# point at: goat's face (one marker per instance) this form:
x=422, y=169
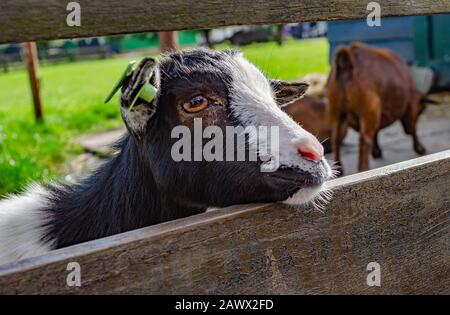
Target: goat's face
x=223, y=90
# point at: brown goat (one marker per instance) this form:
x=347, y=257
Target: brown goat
x=369, y=89
x=310, y=113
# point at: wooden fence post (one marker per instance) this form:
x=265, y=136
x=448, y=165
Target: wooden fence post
x=167, y=41
x=32, y=61
x=279, y=36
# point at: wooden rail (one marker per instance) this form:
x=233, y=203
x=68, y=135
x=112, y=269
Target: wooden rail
x=30, y=20
x=397, y=216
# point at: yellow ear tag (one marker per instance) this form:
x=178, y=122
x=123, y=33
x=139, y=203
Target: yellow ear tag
x=147, y=93
x=128, y=71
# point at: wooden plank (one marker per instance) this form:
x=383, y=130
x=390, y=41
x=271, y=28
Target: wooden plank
x=30, y=20
x=397, y=216
x=32, y=62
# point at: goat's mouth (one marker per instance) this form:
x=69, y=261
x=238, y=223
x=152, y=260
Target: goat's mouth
x=296, y=178
x=300, y=186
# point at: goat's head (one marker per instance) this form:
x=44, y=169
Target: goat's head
x=223, y=89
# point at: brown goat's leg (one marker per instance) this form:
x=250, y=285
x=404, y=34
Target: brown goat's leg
x=376, y=150
x=365, y=142
x=409, y=122
x=368, y=128
x=335, y=143
x=418, y=146
x=338, y=132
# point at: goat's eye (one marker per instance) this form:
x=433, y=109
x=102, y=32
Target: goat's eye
x=196, y=104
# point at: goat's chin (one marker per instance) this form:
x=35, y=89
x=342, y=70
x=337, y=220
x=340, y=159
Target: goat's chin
x=318, y=196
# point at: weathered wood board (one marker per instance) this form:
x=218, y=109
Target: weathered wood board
x=30, y=20
x=397, y=216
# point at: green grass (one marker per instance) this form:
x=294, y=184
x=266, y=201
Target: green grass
x=73, y=96
x=291, y=60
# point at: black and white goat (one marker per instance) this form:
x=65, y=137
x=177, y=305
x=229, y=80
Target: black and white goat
x=143, y=185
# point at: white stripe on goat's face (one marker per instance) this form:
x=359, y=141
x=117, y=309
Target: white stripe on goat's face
x=252, y=103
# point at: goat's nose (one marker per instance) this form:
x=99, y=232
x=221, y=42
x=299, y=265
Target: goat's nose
x=310, y=149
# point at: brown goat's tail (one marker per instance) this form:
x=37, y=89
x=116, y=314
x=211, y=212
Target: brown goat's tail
x=344, y=64
x=426, y=100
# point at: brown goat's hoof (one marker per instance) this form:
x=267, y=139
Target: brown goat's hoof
x=420, y=149
x=377, y=153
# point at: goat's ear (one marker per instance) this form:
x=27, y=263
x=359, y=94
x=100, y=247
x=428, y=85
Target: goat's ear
x=286, y=92
x=136, y=107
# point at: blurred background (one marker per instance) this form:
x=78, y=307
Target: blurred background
x=76, y=75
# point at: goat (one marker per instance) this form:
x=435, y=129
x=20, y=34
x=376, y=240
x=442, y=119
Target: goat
x=142, y=184
x=369, y=89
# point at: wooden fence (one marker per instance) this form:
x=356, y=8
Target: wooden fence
x=396, y=216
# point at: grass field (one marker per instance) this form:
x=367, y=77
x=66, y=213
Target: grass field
x=73, y=96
